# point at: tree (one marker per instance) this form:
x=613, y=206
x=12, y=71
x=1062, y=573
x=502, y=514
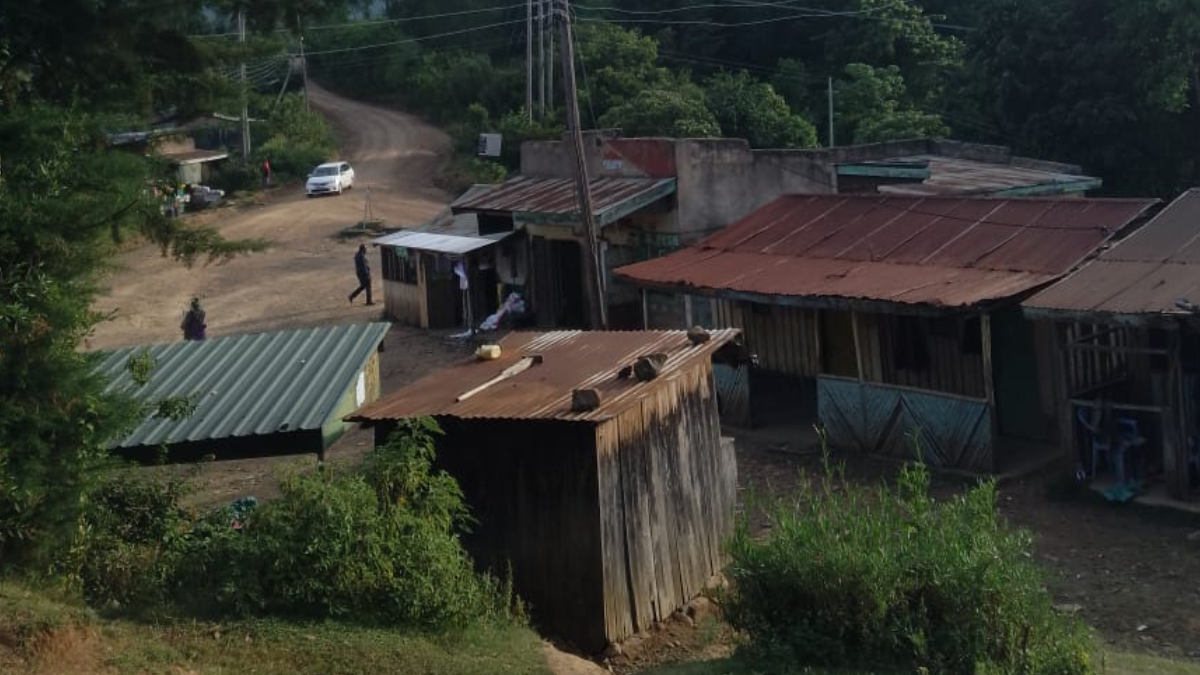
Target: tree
x=869, y=107
x=619, y=64
x=748, y=108
x=791, y=81
x=661, y=112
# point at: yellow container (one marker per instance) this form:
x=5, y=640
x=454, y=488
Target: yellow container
x=488, y=352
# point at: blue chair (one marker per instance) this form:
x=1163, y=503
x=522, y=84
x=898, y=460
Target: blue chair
x=1101, y=445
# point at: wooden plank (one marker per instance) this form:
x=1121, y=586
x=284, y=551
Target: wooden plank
x=989, y=390
x=858, y=359
x=639, y=548
x=1174, y=437
x=1104, y=351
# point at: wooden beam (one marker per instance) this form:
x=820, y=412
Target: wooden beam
x=858, y=358
x=1130, y=407
x=989, y=390
x=1105, y=349
x=1066, y=411
x=645, y=312
x=1173, y=433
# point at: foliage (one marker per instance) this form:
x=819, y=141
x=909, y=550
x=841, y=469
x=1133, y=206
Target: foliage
x=890, y=578
x=791, y=82
x=66, y=200
x=619, y=63
x=443, y=84
x=664, y=112
x=869, y=107
x=297, y=139
x=363, y=73
x=750, y=109
x=380, y=545
x=515, y=128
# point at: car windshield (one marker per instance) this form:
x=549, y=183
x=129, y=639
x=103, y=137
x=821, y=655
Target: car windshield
x=325, y=171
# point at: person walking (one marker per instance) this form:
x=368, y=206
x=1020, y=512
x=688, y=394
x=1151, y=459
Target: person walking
x=266, y=173
x=362, y=269
x=193, y=324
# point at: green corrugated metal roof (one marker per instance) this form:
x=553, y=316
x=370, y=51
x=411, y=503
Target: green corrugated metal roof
x=247, y=385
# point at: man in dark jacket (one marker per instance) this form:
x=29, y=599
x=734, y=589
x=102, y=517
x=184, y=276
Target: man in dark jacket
x=363, y=270
x=194, y=326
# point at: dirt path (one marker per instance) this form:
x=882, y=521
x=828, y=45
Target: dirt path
x=305, y=276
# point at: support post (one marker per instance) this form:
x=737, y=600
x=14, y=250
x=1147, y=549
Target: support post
x=645, y=311
x=831, y=112
x=1066, y=411
x=528, y=58
x=241, y=21
x=687, y=311
x=989, y=390
x=541, y=20
x=858, y=357
x=593, y=280
x=1174, y=436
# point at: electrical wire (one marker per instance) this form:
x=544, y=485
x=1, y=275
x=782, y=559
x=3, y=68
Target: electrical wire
x=377, y=22
x=411, y=40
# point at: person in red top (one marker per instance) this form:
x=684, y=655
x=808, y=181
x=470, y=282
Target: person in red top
x=266, y=173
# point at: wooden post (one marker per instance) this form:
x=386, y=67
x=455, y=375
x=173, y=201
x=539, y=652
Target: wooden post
x=858, y=359
x=687, y=311
x=1066, y=411
x=1173, y=433
x=594, y=282
x=819, y=366
x=645, y=312
x=985, y=339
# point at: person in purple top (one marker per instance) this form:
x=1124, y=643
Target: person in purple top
x=193, y=322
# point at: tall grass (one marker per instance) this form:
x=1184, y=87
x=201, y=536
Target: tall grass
x=890, y=579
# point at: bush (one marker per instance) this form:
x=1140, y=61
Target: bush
x=134, y=531
x=892, y=579
x=235, y=176
x=380, y=545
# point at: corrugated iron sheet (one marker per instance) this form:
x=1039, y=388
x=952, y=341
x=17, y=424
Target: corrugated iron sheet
x=953, y=176
x=934, y=251
x=194, y=156
x=246, y=385
x=1148, y=272
x=571, y=360
x=556, y=196
x=451, y=244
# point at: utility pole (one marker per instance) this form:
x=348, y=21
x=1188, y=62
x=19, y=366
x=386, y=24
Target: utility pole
x=241, y=19
x=550, y=14
x=541, y=58
x=594, y=282
x=831, y=112
x=303, y=65
x=528, y=58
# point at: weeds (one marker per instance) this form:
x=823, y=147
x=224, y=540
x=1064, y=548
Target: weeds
x=889, y=578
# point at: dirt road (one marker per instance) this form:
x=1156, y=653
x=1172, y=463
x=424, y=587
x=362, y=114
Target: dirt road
x=306, y=275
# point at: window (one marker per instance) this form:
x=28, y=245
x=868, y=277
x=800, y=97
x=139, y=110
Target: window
x=909, y=348
x=399, y=264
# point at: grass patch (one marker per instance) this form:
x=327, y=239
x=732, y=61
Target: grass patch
x=1126, y=663
x=40, y=633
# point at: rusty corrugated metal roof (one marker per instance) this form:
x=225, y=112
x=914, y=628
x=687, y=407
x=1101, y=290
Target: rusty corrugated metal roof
x=1149, y=272
x=932, y=251
x=527, y=197
x=571, y=360
x=954, y=176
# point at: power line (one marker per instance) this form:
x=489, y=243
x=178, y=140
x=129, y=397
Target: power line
x=377, y=22
x=393, y=43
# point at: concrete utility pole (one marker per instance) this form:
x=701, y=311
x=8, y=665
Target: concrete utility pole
x=529, y=58
x=241, y=19
x=550, y=14
x=541, y=58
x=594, y=279
x=831, y=112
x=303, y=65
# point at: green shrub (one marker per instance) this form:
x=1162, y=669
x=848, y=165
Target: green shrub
x=380, y=545
x=235, y=176
x=134, y=530
x=892, y=579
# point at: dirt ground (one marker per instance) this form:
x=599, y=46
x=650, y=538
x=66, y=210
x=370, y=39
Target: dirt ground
x=306, y=275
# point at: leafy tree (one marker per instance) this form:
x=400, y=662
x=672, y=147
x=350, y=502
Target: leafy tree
x=791, y=81
x=619, y=64
x=66, y=200
x=868, y=107
x=749, y=108
x=662, y=112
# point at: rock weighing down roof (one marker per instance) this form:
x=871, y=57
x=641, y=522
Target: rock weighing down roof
x=246, y=385
x=1153, y=271
x=570, y=360
x=937, y=251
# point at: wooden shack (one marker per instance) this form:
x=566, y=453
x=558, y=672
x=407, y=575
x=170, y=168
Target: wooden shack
x=883, y=319
x=612, y=517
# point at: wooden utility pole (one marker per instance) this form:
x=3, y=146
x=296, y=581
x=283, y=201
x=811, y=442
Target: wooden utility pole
x=831, y=112
x=529, y=58
x=594, y=279
x=241, y=19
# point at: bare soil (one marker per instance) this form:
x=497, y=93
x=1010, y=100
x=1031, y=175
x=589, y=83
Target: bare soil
x=304, y=278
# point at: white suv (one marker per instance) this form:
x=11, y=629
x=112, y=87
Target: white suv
x=331, y=177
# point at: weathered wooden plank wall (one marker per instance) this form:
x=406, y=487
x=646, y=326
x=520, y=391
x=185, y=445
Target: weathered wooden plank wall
x=403, y=302
x=667, y=487
x=733, y=393
x=951, y=369
x=784, y=338
x=532, y=487
x=953, y=431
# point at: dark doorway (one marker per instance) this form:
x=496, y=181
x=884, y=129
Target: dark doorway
x=558, y=283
